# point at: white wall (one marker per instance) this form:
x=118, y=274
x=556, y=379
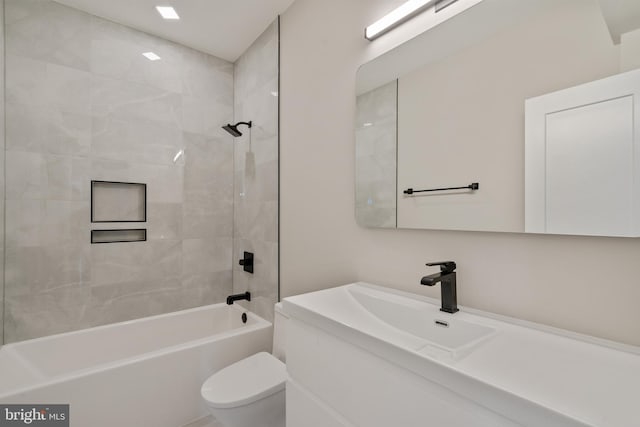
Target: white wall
x=590, y=285
x=630, y=51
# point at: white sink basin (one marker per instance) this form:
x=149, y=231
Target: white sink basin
x=442, y=332
x=403, y=320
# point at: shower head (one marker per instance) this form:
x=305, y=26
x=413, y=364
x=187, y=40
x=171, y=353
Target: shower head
x=233, y=129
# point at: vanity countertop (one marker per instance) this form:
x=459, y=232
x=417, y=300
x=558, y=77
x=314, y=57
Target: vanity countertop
x=521, y=370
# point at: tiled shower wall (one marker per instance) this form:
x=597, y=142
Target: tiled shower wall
x=1, y=172
x=256, y=171
x=82, y=103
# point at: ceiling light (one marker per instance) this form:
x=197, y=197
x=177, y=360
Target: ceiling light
x=151, y=56
x=396, y=17
x=167, y=12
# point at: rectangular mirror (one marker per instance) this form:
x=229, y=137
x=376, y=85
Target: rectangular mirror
x=461, y=88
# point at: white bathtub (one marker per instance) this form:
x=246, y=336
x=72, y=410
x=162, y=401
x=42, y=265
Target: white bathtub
x=145, y=372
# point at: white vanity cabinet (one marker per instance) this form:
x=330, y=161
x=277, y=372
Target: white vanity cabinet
x=334, y=383
x=582, y=159
x=361, y=355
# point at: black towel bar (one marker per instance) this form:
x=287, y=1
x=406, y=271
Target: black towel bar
x=474, y=186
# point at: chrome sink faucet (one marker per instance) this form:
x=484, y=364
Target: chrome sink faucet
x=447, y=277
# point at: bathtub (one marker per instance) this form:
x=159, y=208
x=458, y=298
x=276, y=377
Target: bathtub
x=145, y=372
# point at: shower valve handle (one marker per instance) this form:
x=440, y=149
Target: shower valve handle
x=247, y=262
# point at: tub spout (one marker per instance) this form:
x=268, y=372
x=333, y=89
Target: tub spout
x=237, y=297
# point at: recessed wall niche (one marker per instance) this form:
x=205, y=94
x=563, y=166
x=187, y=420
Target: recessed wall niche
x=118, y=201
x=119, y=236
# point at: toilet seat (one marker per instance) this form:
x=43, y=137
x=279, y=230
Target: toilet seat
x=245, y=382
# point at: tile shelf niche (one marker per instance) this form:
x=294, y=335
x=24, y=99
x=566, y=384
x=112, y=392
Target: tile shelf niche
x=119, y=236
x=113, y=201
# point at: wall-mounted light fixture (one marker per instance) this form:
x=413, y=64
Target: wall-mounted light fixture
x=402, y=14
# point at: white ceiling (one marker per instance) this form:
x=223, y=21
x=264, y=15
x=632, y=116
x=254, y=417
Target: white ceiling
x=223, y=28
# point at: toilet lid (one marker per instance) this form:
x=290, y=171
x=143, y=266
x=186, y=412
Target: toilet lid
x=245, y=382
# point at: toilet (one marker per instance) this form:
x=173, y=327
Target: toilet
x=251, y=392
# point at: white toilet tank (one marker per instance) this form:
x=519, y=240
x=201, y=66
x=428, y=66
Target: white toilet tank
x=280, y=321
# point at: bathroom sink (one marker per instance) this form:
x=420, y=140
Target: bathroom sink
x=442, y=332
x=386, y=343
x=403, y=320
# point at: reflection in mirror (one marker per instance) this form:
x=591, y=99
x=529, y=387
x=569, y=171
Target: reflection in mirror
x=376, y=127
x=461, y=112
x=581, y=154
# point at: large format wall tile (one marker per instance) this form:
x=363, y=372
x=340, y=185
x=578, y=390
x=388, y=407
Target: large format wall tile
x=135, y=140
x=165, y=221
x=51, y=312
x=132, y=300
x=203, y=289
x=46, y=129
x=203, y=256
x=83, y=104
x=2, y=177
x=208, y=187
x=197, y=114
x=256, y=172
x=207, y=77
x=35, y=269
x=38, y=83
x=259, y=103
x=123, y=99
x=140, y=261
x=116, y=52
x=48, y=31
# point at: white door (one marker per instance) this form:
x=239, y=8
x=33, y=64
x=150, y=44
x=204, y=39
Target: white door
x=580, y=161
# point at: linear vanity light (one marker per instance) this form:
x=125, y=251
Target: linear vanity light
x=396, y=17
x=167, y=12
